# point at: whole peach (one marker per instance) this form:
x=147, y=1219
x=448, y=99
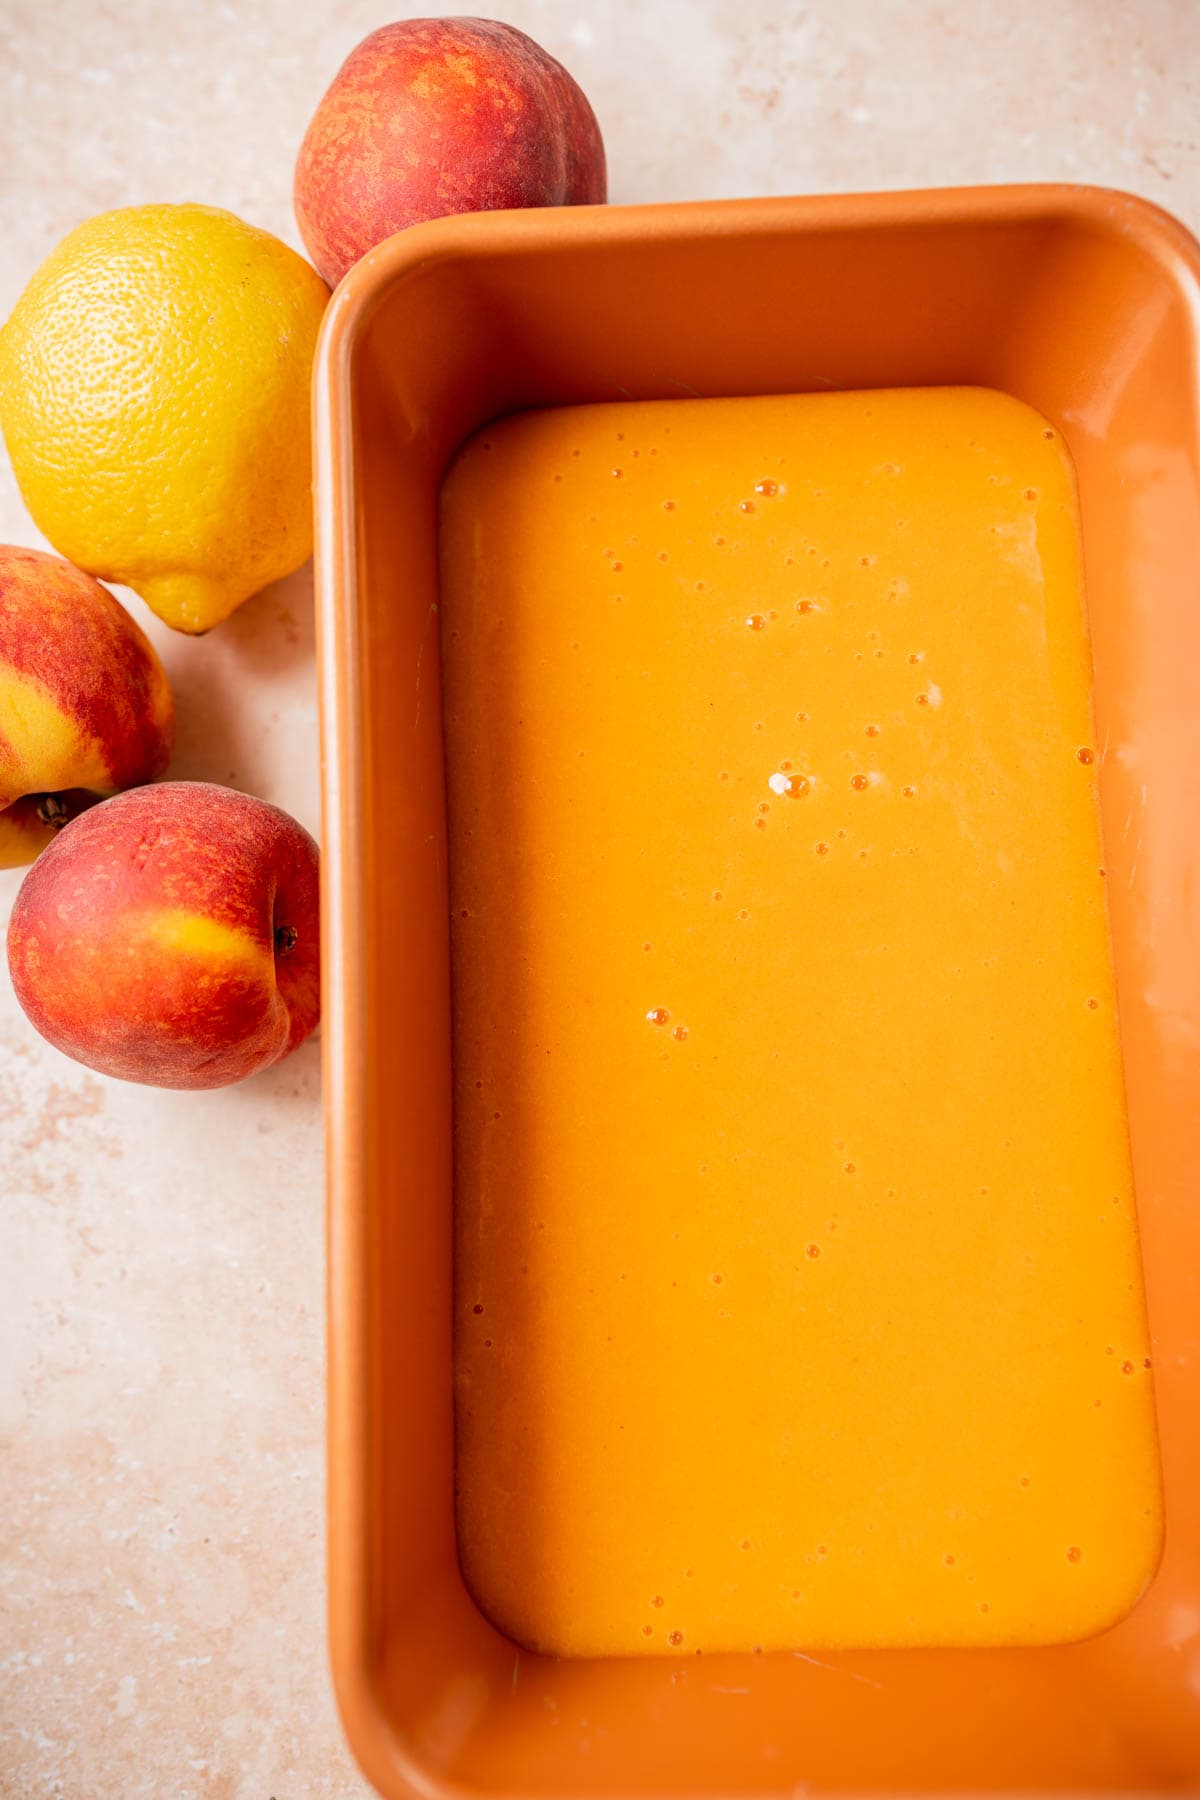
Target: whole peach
x=170, y=936
x=85, y=708
x=435, y=116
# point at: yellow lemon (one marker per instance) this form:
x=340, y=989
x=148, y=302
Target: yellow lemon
x=154, y=381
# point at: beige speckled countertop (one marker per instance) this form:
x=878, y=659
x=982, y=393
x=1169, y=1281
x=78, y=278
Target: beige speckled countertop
x=161, y=1581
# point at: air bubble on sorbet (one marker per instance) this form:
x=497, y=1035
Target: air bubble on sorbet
x=616, y=474
x=746, y=506
x=767, y=488
x=821, y=849
x=756, y=622
x=872, y=731
x=658, y=1015
x=680, y=1033
x=813, y=1250
x=1085, y=755
x=860, y=782
x=808, y=606
x=668, y=506
x=1127, y=1368
x=1074, y=1553
x=675, y=1637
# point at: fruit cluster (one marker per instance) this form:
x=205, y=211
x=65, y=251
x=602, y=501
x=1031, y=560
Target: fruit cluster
x=154, y=399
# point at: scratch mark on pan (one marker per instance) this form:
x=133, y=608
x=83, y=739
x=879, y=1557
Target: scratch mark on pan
x=684, y=386
x=832, y=1669
x=1104, y=745
x=516, y=1670
x=1137, y=848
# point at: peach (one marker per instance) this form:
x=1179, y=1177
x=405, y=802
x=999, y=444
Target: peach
x=435, y=116
x=85, y=708
x=170, y=936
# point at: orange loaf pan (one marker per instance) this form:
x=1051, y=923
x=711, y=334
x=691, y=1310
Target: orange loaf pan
x=1083, y=303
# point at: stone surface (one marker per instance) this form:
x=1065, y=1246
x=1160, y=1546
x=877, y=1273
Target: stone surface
x=161, y=1583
